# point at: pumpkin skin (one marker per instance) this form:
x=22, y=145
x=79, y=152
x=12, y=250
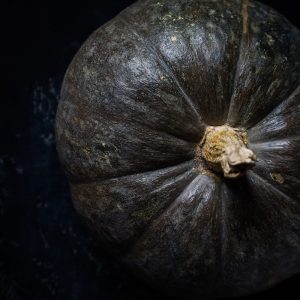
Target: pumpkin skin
x=135, y=103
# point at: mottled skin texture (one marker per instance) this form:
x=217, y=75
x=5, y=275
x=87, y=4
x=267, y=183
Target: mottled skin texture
x=135, y=103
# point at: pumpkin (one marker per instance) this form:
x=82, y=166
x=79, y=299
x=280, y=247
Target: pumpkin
x=179, y=130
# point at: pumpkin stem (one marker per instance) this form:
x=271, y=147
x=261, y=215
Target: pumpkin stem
x=224, y=149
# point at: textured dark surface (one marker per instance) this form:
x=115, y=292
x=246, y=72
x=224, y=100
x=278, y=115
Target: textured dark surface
x=134, y=105
x=45, y=253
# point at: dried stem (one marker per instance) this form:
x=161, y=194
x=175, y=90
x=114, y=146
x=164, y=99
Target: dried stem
x=224, y=149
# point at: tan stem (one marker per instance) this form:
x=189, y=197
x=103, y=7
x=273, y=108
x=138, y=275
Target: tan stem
x=224, y=149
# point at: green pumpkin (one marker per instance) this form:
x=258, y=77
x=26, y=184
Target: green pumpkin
x=179, y=130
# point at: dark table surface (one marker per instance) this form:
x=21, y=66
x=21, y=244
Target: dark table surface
x=45, y=252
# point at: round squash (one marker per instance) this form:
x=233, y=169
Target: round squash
x=179, y=130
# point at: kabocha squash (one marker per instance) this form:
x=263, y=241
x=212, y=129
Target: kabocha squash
x=179, y=130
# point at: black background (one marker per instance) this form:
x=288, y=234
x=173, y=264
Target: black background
x=45, y=252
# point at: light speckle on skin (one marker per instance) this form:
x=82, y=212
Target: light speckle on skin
x=82, y=124
x=211, y=25
x=270, y=39
x=107, y=159
x=173, y=38
x=255, y=28
x=277, y=177
x=273, y=87
x=119, y=207
x=167, y=17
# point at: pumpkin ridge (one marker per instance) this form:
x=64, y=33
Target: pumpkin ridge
x=270, y=185
x=157, y=219
x=99, y=179
x=261, y=144
x=177, y=83
x=120, y=119
x=222, y=230
x=244, y=34
x=161, y=180
x=268, y=167
x=164, y=65
x=181, y=151
x=246, y=110
x=289, y=98
x=268, y=206
x=167, y=133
